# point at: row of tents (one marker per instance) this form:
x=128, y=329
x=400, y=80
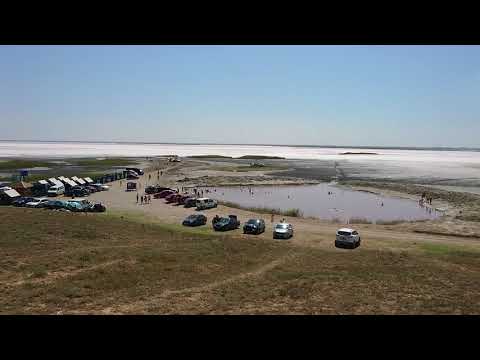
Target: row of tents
x=8, y=192
x=38, y=188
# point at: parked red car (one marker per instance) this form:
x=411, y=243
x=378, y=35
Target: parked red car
x=163, y=194
x=181, y=199
x=172, y=198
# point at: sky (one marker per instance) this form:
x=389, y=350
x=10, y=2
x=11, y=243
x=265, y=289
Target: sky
x=292, y=95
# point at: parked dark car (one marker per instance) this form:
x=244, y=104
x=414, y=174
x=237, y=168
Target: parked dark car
x=22, y=201
x=195, y=220
x=172, y=198
x=92, y=189
x=226, y=223
x=150, y=190
x=163, y=194
x=190, y=202
x=79, y=191
x=136, y=170
x=181, y=199
x=153, y=189
x=55, y=204
x=132, y=176
x=98, y=207
x=254, y=226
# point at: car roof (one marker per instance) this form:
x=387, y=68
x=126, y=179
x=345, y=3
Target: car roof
x=283, y=224
x=346, y=230
x=204, y=199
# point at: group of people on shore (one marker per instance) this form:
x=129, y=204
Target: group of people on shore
x=144, y=199
x=425, y=200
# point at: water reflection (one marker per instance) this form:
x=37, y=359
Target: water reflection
x=325, y=201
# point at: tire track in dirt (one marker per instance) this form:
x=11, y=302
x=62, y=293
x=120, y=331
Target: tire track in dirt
x=197, y=291
x=53, y=276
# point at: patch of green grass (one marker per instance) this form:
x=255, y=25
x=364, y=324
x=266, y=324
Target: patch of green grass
x=246, y=168
x=264, y=210
x=209, y=157
x=260, y=157
x=38, y=271
x=443, y=249
x=108, y=162
x=20, y=164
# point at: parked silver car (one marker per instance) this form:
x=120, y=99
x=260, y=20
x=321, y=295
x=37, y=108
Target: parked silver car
x=283, y=231
x=37, y=203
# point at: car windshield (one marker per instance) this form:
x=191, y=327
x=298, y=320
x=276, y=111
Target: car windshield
x=191, y=217
x=252, y=221
x=281, y=226
x=344, y=233
x=223, y=221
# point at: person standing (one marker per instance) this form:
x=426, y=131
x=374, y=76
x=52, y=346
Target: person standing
x=137, y=197
x=141, y=200
x=272, y=219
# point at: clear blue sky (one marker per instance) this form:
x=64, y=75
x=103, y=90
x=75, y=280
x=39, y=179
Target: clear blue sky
x=336, y=95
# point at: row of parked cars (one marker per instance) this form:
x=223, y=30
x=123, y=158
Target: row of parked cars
x=252, y=226
x=345, y=237
x=173, y=197
x=75, y=205
x=84, y=190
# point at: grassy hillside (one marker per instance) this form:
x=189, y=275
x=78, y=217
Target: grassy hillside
x=97, y=263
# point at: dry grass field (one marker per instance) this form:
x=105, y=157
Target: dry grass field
x=62, y=263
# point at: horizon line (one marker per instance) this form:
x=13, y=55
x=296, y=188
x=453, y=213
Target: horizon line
x=248, y=144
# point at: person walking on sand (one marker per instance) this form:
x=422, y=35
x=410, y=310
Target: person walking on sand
x=141, y=200
x=137, y=197
x=272, y=219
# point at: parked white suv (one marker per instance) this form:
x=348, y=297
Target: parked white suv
x=283, y=231
x=56, y=190
x=347, y=238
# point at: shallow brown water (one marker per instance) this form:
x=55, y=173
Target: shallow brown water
x=315, y=201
